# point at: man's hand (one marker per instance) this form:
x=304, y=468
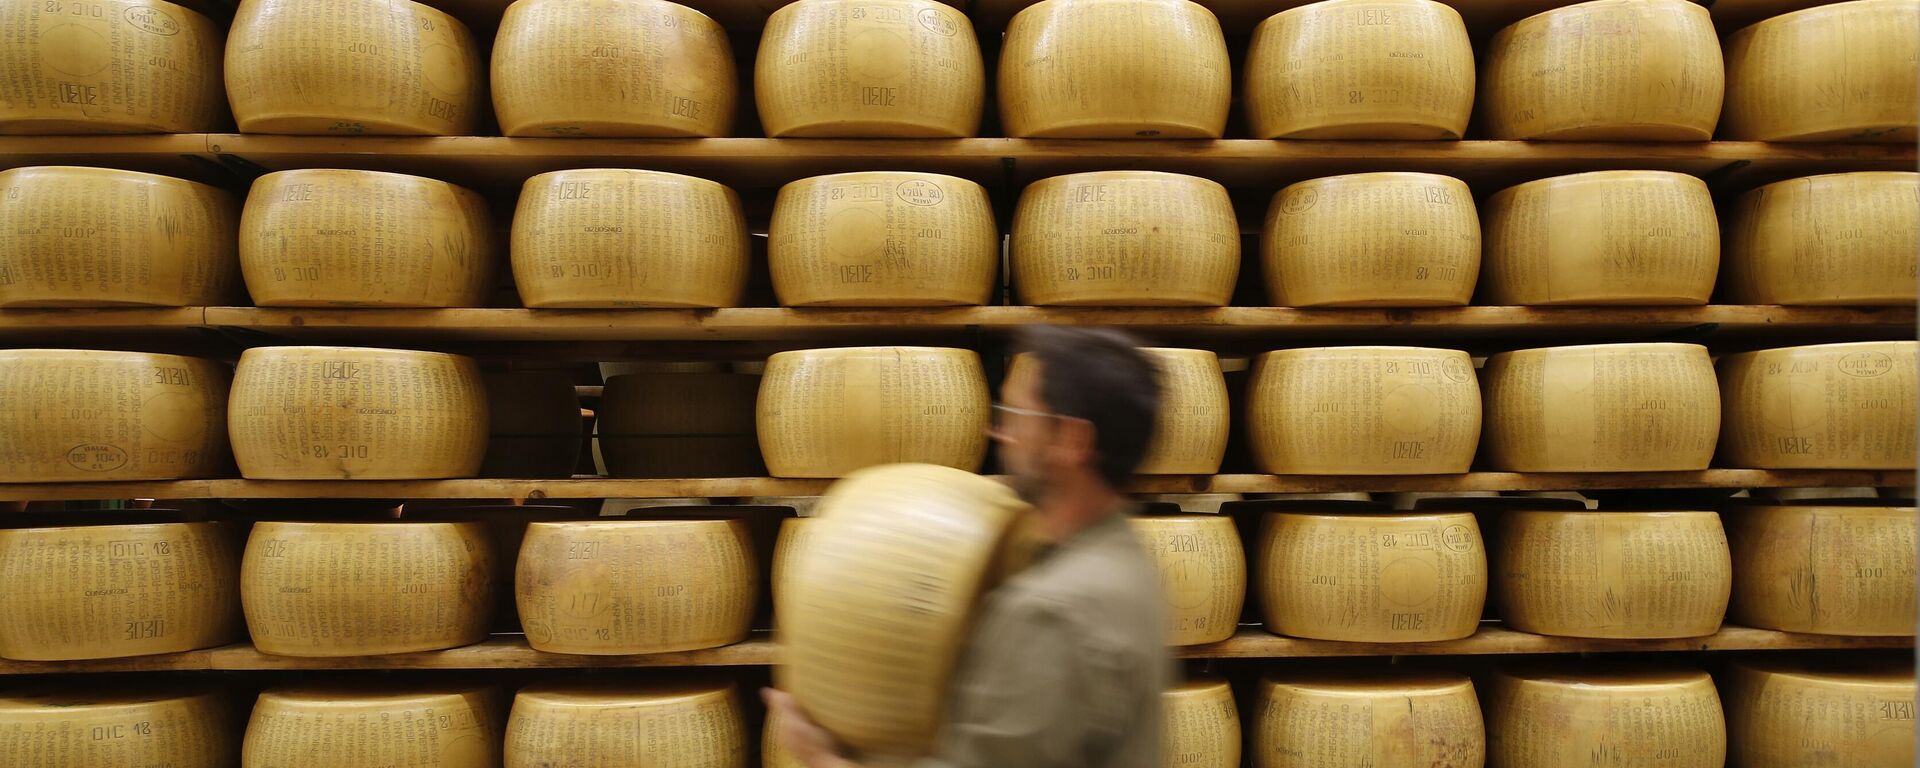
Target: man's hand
x=804, y=740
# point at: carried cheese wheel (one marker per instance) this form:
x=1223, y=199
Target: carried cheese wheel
x=619, y=68
x=882, y=239
x=1192, y=503
x=1397, y=719
x=1839, y=72
x=680, y=425
x=689, y=724
x=1606, y=237
x=1617, y=574
x=1608, y=70
x=1824, y=406
x=444, y=726
x=393, y=67
x=1201, y=726
x=636, y=586
x=1372, y=240
x=1824, y=570
x=1113, y=69
x=79, y=725
x=112, y=66
x=1360, y=69
x=364, y=589
x=1601, y=408
x=99, y=237
x=1372, y=577
x=1203, y=574
x=1587, y=714
x=327, y=238
x=1846, y=239
x=1793, y=713
x=1363, y=411
x=828, y=412
x=610, y=237
x=354, y=413
x=76, y=415
x=533, y=425
x=109, y=591
x=882, y=69
x=1125, y=238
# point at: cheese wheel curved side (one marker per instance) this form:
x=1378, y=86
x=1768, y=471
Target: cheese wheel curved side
x=1788, y=713
x=111, y=591
x=828, y=412
x=883, y=239
x=100, y=237
x=1372, y=578
x=422, y=727
x=613, y=238
x=1203, y=574
x=612, y=68
x=869, y=69
x=1125, y=238
x=1360, y=69
x=1613, y=574
x=1601, y=408
x=1387, y=720
x=1824, y=570
x=1606, y=237
x=1823, y=406
x=627, y=587
x=1201, y=725
x=1109, y=69
x=73, y=415
x=1372, y=240
x=1540, y=716
x=127, y=67
x=1364, y=411
x=55, y=726
x=1845, y=239
x=1838, y=72
x=692, y=724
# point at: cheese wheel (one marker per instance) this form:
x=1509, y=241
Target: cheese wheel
x=392, y=67
x=1201, y=726
x=828, y=412
x=636, y=586
x=617, y=68
x=1825, y=406
x=1612, y=574
x=1791, y=713
x=1601, y=408
x=451, y=726
x=1838, y=238
x=1112, y=69
x=1372, y=577
x=330, y=238
x=109, y=591
x=609, y=237
x=533, y=425
x=364, y=589
x=1593, y=714
x=1192, y=503
x=99, y=237
x=108, y=66
x=1363, y=411
x=1824, y=570
x=688, y=724
x=1360, y=69
x=882, y=239
x=1372, y=240
x=352, y=413
x=1606, y=237
x=1398, y=719
x=1125, y=238
x=884, y=69
x=1203, y=574
x=795, y=535
x=1840, y=72
x=1608, y=70
x=79, y=725
x=73, y=415
x=680, y=425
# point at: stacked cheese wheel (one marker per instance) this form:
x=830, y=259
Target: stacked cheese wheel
x=151, y=67
x=69, y=415
x=1625, y=714
x=644, y=586
x=57, y=726
x=1103, y=69
x=1203, y=574
x=609, y=237
x=869, y=68
x=1828, y=570
x=1607, y=237
x=1612, y=573
x=1363, y=410
x=1125, y=238
x=1789, y=713
x=1825, y=406
x=1601, y=408
x=92, y=237
x=1200, y=726
x=558, y=65
x=1372, y=577
x=882, y=238
x=689, y=724
x=1838, y=238
x=1839, y=72
x=828, y=412
x=106, y=591
x=1386, y=719
x=438, y=726
x=1372, y=239
x=1361, y=69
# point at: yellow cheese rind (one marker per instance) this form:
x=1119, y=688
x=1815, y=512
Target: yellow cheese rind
x=882, y=239
x=1203, y=574
x=71, y=415
x=636, y=586
x=1608, y=70
x=869, y=69
x=115, y=66
x=1824, y=406
x=1604, y=715
x=611, y=237
x=364, y=589
x=1838, y=238
x=1360, y=69
x=1388, y=720
x=1125, y=238
x=1824, y=570
x=1372, y=577
x=77, y=725
x=1601, y=408
x=99, y=237
x=331, y=238
x=1839, y=72
x=109, y=591
x=612, y=68
x=1200, y=726
x=693, y=724
x=1372, y=240
x=1113, y=69
x=1363, y=411
x=1606, y=237
x=1612, y=573
x=417, y=727
x=1793, y=714
x=533, y=425
x=680, y=425
x=828, y=412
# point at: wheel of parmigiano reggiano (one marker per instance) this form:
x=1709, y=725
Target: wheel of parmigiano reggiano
x=108, y=66
x=1612, y=573
x=1372, y=240
x=1361, y=69
x=1838, y=238
x=1607, y=237
x=363, y=589
x=332, y=238
x=416, y=727
x=1125, y=238
x=353, y=66
x=1796, y=713
x=1609, y=70
x=869, y=69
x=882, y=239
x=1372, y=577
x=610, y=237
x=1840, y=72
x=636, y=586
x=73, y=415
x=1601, y=408
x=77, y=725
x=612, y=68
x=680, y=425
x=1203, y=574
x=685, y=725
x=1110, y=69
x=1823, y=570
x=353, y=413
x=533, y=425
x=1200, y=726
x=1626, y=715
x=795, y=534
x=1363, y=411
x=109, y=591
x=98, y=237
x=1393, y=719
x=1826, y=406
x=828, y=412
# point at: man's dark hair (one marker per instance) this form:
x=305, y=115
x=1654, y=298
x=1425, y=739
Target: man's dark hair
x=1099, y=375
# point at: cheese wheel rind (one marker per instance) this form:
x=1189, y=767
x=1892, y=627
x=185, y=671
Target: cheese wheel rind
x=636, y=586
x=1107, y=69
x=1791, y=713
x=1203, y=574
x=693, y=724
x=612, y=237
x=1606, y=237
x=74, y=415
x=420, y=727
x=1824, y=570
x=1837, y=72
x=1200, y=725
x=1612, y=574
x=1190, y=429
x=1360, y=69
x=1125, y=238
x=1847, y=239
x=1823, y=406
x=612, y=68
x=882, y=239
x=110, y=591
x=77, y=725
x=1372, y=577
x=828, y=412
x=114, y=66
x=869, y=69
x=1363, y=411
x=1387, y=720
x=1601, y=408
x=1372, y=240
x=1550, y=717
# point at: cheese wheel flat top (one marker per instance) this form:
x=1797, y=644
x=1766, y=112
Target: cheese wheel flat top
x=1360, y=69
x=420, y=727
x=1605, y=237
x=69, y=726
x=1837, y=238
x=1402, y=718
x=73, y=415
x=1391, y=239
x=1201, y=725
x=1363, y=410
x=883, y=238
x=1612, y=574
x=108, y=591
x=828, y=412
x=612, y=237
x=1372, y=577
x=1110, y=69
x=1601, y=408
x=869, y=69
x=1839, y=72
x=1125, y=238
x=1628, y=715
x=108, y=66
x=1824, y=570
x=1203, y=574
x=636, y=586
x=621, y=68
x=610, y=724
x=1837, y=406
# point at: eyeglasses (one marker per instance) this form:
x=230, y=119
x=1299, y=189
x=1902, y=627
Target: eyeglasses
x=1001, y=412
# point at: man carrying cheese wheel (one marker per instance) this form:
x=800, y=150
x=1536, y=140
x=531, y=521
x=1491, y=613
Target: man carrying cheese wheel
x=1067, y=663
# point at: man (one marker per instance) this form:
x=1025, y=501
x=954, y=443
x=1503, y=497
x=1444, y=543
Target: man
x=1068, y=661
